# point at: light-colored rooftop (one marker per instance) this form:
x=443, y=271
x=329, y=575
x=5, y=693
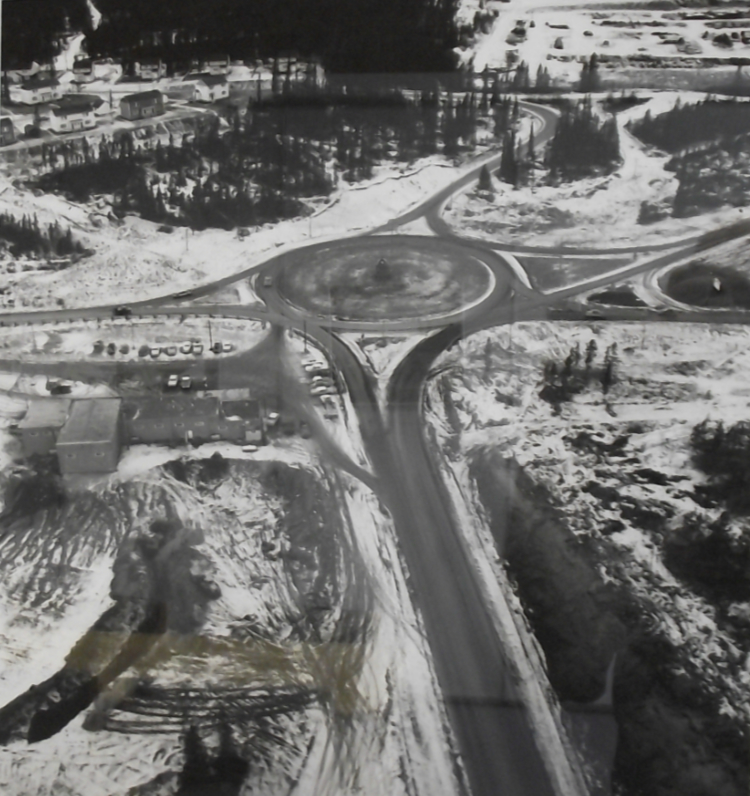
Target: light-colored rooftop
x=46, y=413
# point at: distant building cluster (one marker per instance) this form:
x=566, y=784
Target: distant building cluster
x=77, y=98
x=87, y=435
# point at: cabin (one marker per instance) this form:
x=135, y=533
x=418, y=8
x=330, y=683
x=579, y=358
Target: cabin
x=36, y=90
x=208, y=88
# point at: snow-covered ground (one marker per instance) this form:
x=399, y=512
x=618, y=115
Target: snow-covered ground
x=585, y=28
x=596, y=211
x=134, y=261
x=669, y=377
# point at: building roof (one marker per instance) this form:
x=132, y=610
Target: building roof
x=78, y=103
x=171, y=407
x=90, y=420
x=206, y=78
x=143, y=96
x=39, y=82
x=46, y=413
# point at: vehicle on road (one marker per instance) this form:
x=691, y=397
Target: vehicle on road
x=267, y=281
x=595, y=315
x=249, y=448
x=186, y=382
x=122, y=312
x=183, y=294
x=172, y=381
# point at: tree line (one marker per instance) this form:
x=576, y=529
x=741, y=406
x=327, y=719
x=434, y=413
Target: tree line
x=27, y=236
x=256, y=164
x=348, y=35
x=686, y=125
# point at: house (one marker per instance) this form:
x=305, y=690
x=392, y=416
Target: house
x=41, y=425
x=179, y=419
x=7, y=133
x=89, y=441
x=142, y=105
x=36, y=90
x=150, y=69
x=208, y=88
x=74, y=112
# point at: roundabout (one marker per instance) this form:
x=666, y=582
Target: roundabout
x=407, y=279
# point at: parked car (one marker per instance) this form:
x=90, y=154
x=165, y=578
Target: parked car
x=216, y=347
x=186, y=347
x=197, y=348
x=249, y=448
x=171, y=350
x=173, y=380
x=111, y=349
x=143, y=351
x=98, y=346
x=226, y=347
x=186, y=382
x=155, y=350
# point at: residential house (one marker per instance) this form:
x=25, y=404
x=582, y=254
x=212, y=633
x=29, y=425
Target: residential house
x=142, y=105
x=36, y=90
x=90, y=439
x=41, y=425
x=74, y=112
x=208, y=88
x=150, y=69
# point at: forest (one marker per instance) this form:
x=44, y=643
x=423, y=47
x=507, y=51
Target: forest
x=26, y=236
x=583, y=144
x=348, y=35
x=258, y=164
x=687, y=125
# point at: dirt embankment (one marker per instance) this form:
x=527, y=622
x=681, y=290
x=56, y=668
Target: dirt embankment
x=673, y=738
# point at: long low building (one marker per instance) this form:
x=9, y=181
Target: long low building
x=89, y=442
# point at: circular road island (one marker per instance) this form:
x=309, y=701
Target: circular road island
x=384, y=278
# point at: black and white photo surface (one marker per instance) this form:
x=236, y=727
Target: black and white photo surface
x=374, y=398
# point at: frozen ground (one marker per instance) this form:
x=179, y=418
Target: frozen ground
x=133, y=261
x=669, y=377
x=596, y=211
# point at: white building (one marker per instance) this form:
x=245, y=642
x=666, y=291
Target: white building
x=74, y=112
x=208, y=88
x=36, y=90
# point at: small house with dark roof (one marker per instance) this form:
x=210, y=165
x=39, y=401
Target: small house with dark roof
x=150, y=69
x=142, y=105
x=208, y=87
x=36, y=90
x=7, y=132
x=89, y=441
x=41, y=425
x=74, y=112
